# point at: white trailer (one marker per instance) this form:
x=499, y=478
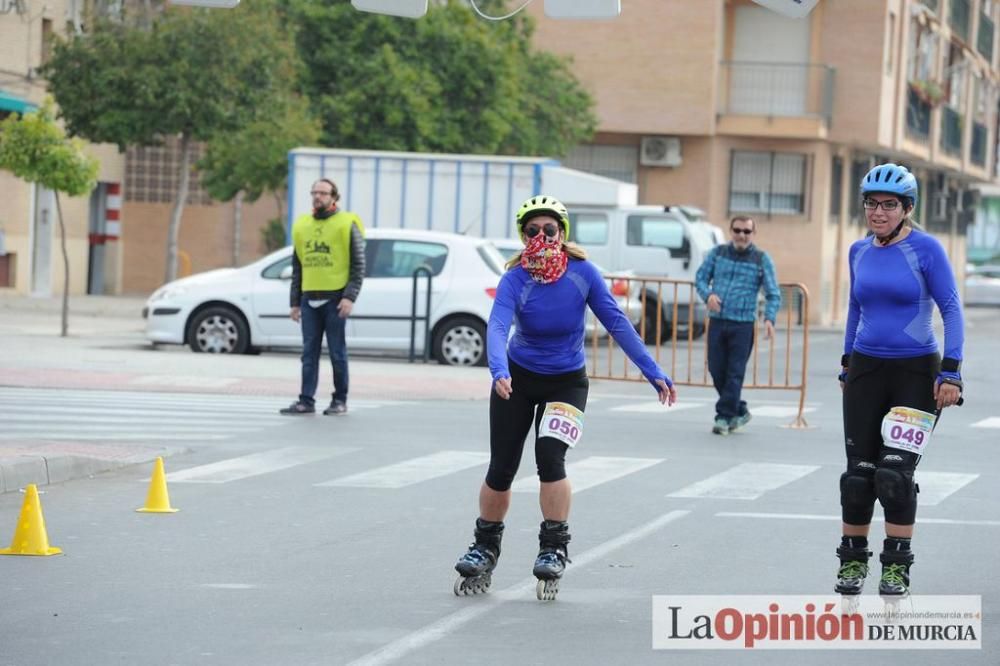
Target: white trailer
x=476, y=195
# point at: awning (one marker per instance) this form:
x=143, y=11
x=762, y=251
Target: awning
x=15, y=104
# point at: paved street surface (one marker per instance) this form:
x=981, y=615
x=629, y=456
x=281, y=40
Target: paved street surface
x=331, y=540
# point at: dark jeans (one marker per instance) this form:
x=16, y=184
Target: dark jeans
x=729, y=345
x=316, y=322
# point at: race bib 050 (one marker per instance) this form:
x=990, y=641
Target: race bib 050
x=562, y=421
x=908, y=429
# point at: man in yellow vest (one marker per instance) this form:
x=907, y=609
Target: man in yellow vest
x=328, y=266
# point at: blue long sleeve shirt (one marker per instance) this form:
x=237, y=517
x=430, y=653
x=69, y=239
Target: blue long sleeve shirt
x=736, y=278
x=549, y=323
x=893, y=292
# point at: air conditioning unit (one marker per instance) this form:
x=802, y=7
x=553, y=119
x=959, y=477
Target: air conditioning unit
x=661, y=151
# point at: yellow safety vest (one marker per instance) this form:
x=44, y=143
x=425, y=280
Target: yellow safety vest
x=324, y=249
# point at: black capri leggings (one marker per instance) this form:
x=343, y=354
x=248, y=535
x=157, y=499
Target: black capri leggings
x=874, y=386
x=510, y=421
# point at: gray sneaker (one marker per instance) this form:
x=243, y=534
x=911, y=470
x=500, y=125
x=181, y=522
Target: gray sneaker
x=721, y=426
x=739, y=422
x=336, y=408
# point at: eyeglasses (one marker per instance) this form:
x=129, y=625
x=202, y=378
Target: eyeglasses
x=550, y=231
x=317, y=193
x=745, y=232
x=887, y=205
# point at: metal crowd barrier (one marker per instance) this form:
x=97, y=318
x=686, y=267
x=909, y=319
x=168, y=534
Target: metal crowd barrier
x=684, y=342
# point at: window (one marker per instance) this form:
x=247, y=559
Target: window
x=890, y=44
x=618, y=162
x=772, y=183
x=655, y=232
x=399, y=258
x=588, y=229
x=273, y=272
x=151, y=173
x=836, y=182
x=46, y=40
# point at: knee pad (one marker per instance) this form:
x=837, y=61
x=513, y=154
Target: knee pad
x=857, y=492
x=895, y=489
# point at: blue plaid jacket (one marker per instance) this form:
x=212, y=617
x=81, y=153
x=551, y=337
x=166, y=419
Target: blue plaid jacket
x=736, y=278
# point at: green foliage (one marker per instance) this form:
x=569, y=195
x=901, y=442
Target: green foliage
x=272, y=235
x=196, y=72
x=254, y=159
x=449, y=82
x=36, y=149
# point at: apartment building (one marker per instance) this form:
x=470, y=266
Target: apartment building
x=738, y=110
x=30, y=258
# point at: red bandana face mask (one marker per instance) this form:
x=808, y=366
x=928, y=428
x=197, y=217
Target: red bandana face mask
x=544, y=258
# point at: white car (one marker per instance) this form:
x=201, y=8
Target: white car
x=626, y=292
x=237, y=310
x=982, y=285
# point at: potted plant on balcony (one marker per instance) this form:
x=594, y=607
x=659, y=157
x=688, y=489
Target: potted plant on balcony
x=930, y=92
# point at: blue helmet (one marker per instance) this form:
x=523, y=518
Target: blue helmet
x=891, y=179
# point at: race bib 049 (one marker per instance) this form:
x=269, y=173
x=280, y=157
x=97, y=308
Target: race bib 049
x=562, y=421
x=908, y=429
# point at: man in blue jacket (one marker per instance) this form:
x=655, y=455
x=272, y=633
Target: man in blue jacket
x=729, y=281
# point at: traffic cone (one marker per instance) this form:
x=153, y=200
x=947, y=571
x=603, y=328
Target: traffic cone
x=29, y=536
x=158, y=500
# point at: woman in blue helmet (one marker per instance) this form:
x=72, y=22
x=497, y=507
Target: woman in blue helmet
x=540, y=382
x=894, y=381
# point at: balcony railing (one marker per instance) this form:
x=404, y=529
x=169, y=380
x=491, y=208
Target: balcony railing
x=958, y=17
x=918, y=116
x=777, y=89
x=984, y=38
x=951, y=131
x=977, y=152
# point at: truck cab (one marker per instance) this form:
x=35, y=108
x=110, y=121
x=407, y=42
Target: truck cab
x=654, y=242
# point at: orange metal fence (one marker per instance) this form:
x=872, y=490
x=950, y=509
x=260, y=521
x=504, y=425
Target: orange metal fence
x=673, y=321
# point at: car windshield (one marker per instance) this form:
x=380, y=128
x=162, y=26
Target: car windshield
x=491, y=257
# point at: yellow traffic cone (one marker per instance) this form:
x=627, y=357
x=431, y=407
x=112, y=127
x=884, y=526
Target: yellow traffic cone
x=158, y=500
x=29, y=536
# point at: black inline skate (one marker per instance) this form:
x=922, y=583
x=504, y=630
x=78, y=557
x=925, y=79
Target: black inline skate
x=552, y=558
x=476, y=566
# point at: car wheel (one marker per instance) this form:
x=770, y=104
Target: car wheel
x=218, y=330
x=461, y=341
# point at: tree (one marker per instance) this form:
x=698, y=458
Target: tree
x=193, y=74
x=448, y=82
x=34, y=148
x=245, y=164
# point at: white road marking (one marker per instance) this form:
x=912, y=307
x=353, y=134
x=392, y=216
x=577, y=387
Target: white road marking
x=777, y=411
x=420, y=638
x=656, y=407
x=590, y=472
x=255, y=464
x=936, y=486
x=991, y=422
x=410, y=472
x=746, y=481
x=837, y=518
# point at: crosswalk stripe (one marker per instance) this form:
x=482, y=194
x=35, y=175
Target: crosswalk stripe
x=779, y=411
x=746, y=481
x=256, y=464
x=991, y=422
x=117, y=436
x=838, y=518
x=150, y=417
x=654, y=406
x=415, y=470
x=96, y=427
x=937, y=486
x=590, y=472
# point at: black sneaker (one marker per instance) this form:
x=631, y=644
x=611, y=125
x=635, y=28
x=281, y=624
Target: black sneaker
x=336, y=408
x=299, y=407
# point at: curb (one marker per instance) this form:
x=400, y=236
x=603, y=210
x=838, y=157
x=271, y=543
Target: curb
x=16, y=472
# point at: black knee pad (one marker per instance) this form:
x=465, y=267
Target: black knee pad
x=857, y=492
x=896, y=490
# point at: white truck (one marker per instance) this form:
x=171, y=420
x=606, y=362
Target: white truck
x=479, y=195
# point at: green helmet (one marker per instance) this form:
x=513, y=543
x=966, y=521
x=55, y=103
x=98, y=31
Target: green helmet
x=542, y=205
